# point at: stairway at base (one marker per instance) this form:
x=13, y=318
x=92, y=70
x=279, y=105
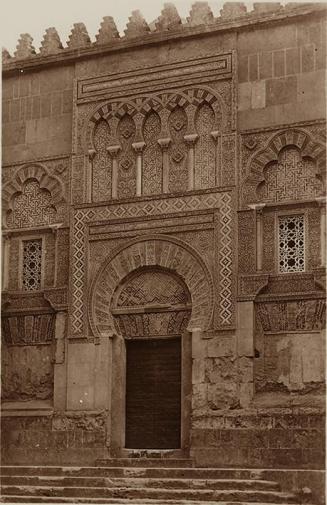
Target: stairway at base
x=140, y=480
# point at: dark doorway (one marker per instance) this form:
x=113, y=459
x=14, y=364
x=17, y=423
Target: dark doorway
x=153, y=393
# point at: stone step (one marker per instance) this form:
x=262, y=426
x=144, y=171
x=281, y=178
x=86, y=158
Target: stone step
x=137, y=472
x=146, y=462
x=119, y=501
x=223, y=484
x=148, y=493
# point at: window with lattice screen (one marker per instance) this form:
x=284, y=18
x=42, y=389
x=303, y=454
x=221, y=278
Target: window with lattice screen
x=32, y=264
x=291, y=250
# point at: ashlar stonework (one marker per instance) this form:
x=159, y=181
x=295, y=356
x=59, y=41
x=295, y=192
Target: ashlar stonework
x=164, y=241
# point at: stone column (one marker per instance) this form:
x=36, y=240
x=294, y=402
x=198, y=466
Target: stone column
x=164, y=144
x=321, y=200
x=258, y=207
x=60, y=376
x=190, y=140
x=5, y=260
x=89, y=175
x=216, y=137
x=245, y=350
x=113, y=151
x=138, y=148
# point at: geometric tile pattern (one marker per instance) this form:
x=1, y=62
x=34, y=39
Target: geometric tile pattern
x=161, y=206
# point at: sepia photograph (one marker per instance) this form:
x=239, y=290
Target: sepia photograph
x=163, y=304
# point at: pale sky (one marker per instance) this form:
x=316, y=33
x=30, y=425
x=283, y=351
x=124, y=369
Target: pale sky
x=34, y=16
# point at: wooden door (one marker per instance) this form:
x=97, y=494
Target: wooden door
x=153, y=393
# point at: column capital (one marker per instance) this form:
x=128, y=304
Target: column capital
x=191, y=138
x=164, y=143
x=215, y=135
x=91, y=153
x=258, y=207
x=113, y=150
x=138, y=147
x=321, y=201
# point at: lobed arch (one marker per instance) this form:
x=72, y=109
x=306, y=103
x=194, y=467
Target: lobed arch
x=159, y=251
x=141, y=107
x=35, y=171
x=309, y=149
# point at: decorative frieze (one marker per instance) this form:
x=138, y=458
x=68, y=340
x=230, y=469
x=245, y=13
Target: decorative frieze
x=284, y=316
x=28, y=330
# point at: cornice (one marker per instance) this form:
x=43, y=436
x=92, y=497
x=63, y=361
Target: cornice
x=246, y=22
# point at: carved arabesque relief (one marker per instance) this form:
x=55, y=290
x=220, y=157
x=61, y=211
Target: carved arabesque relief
x=102, y=163
x=178, y=173
x=286, y=316
x=28, y=330
x=152, y=251
x=291, y=178
x=154, y=302
x=152, y=155
x=126, y=157
x=289, y=165
x=205, y=148
x=143, y=130
x=32, y=207
x=33, y=198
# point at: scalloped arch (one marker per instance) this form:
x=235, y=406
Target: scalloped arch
x=154, y=250
x=32, y=171
x=299, y=138
x=142, y=105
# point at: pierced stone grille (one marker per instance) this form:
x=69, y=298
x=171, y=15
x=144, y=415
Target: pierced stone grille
x=32, y=259
x=291, y=244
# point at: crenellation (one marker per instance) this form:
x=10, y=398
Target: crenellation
x=108, y=31
x=6, y=57
x=169, y=18
x=79, y=38
x=266, y=7
x=51, y=43
x=24, y=48
x=136, y=26
x=200, y=14
x=233, y=10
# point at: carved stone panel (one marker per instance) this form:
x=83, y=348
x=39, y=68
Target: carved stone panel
x=152, y=155
x=287, y=316
x=126, y=157
x=102, y=163
x=28, y=330
x=178, y=173
x=154, y=302
x=32, y=207
x=139, y=210
x=205, y=156
x=291, y=178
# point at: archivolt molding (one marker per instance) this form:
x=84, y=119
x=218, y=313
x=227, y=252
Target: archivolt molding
x=299, y=138
x=37, y=172
x=152, y=250
x=140, y=107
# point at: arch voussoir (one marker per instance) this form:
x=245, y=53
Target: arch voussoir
x=151, y=251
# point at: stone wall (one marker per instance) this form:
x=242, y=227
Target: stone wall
x=168, y=166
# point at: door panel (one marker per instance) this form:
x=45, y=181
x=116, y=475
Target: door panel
x=153, y=393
